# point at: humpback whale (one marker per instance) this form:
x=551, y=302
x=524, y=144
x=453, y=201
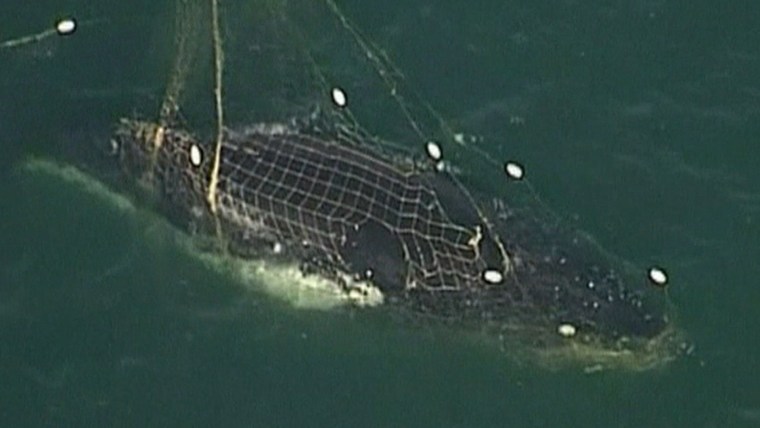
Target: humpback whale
x=414, y=235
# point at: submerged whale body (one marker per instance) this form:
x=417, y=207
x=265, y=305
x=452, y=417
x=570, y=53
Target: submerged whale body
x=416, y=236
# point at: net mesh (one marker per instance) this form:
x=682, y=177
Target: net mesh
x=334, y=175
x=322, y=187
x=282, y=132
x=330, y=203
x=298, y=188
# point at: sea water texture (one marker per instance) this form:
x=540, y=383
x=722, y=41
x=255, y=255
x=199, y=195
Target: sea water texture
x=637, y=122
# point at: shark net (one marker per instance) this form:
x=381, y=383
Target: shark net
x=285, y=133
x=309, y=182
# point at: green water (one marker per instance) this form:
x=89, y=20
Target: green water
x=636, y=120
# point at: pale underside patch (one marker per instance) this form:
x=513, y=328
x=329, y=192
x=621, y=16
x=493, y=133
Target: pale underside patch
x=284, y=281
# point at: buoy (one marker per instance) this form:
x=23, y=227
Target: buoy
x=339, y=97
x=514, y=170
x=492, y=276
x=434, y=150
x=65, y=27
x=566, y=330
x=658, y=276
x=195, y=155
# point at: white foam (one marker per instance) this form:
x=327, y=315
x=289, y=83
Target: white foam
x=284, y=281
x=78, y=178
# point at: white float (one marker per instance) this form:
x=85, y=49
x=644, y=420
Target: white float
x=339, y=97
x=64, y=27
x=195, y=155
x=658, y=276
x=566, y=330
x=514, y=170
x=434, y=150
x=493, y=276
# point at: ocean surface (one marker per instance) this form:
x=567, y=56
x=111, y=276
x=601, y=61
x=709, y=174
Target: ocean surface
x=638, y=122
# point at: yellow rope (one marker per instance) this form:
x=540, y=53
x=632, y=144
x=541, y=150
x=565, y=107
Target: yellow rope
x=218, y=64
x=34, y=38
x=186, y=29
